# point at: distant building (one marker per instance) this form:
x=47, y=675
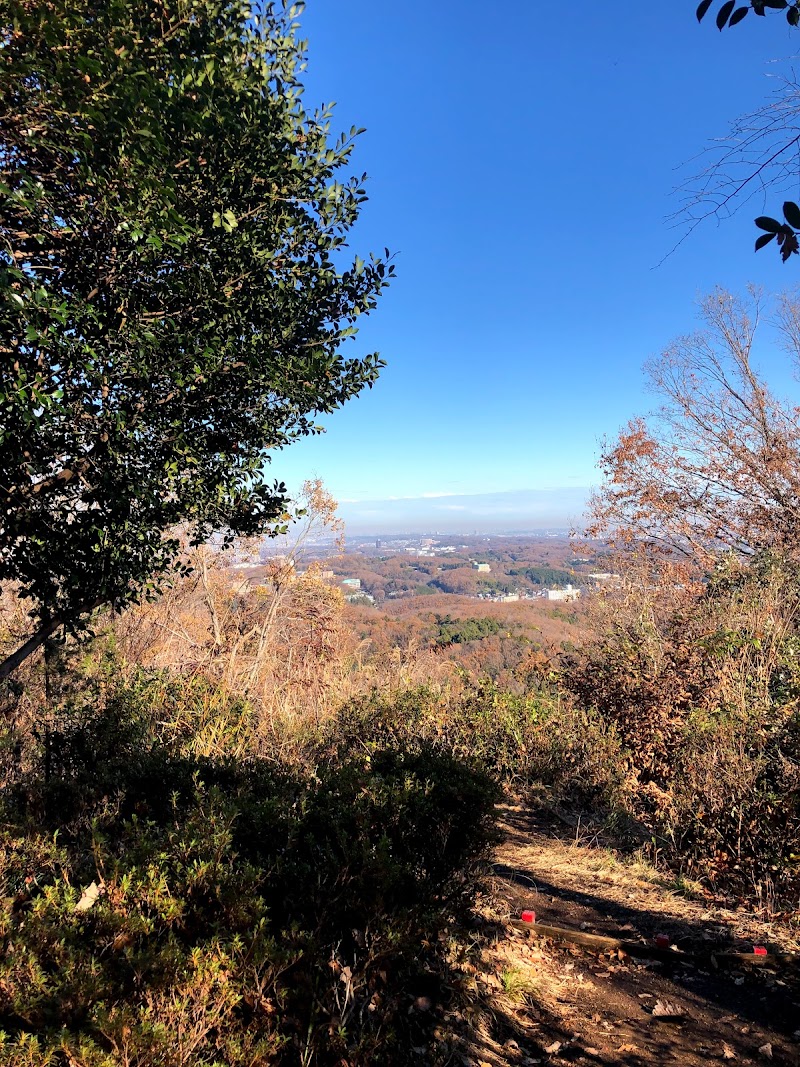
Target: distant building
x=483, y=567
x=563, y=594
x=327, y=575
x=352, y=583
x=359, y=598
x=509, y=598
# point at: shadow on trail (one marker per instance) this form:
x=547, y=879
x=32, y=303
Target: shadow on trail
x=732, y=1014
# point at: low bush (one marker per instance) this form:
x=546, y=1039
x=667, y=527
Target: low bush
x=733, y=810
x=701, y=684
x=524, y=740
x=165, y=907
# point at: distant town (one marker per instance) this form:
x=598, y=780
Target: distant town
x=501, y=568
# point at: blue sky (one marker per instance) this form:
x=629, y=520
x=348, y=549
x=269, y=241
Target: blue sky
x=521, y=167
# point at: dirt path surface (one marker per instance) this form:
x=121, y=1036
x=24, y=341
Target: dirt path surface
x=540, y=1002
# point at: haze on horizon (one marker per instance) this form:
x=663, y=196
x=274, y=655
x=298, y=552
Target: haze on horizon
x=518, y=512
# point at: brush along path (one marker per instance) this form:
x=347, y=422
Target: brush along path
x=545, y=1001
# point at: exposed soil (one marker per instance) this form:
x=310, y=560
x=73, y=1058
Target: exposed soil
x=535, y=1001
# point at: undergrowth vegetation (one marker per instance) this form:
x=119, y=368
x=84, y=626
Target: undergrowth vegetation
x=169, y=907
x=205, y=858
x=701, y=681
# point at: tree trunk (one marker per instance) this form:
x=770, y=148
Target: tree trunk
x=10, y=664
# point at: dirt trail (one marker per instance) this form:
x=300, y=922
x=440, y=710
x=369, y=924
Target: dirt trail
x=539, y=1002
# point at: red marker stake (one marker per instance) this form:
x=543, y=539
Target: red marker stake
x=759, y=950
x=528, y=916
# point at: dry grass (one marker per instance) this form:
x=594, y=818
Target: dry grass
x=284, y=645
x=279, y=657
x=585, y=865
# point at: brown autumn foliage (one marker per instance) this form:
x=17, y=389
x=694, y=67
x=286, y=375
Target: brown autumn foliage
x=282, y=644
x=640, y=671
x=702, y=684
x=696, y=655
x=718, y=466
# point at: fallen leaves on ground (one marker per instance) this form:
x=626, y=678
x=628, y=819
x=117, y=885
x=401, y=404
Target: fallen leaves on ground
x=666, y=1009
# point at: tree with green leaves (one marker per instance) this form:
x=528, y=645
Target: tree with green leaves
x=175, y=287
x=763, y=146
x=731, y=12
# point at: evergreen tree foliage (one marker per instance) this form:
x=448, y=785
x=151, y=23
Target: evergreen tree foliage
x=174, y=291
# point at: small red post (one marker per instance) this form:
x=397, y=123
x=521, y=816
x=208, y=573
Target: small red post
x=662, y=940
x=759, y=950
x=528, y=916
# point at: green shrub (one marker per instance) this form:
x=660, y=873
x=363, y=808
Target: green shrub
x=580, y=756
x=523, y=739
x=248, y=912
x=481, y=726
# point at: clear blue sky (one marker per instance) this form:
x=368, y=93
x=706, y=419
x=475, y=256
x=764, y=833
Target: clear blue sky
x=521, y=166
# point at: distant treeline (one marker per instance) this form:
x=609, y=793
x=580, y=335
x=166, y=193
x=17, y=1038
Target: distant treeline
x=552, y=577
x=458, y=631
